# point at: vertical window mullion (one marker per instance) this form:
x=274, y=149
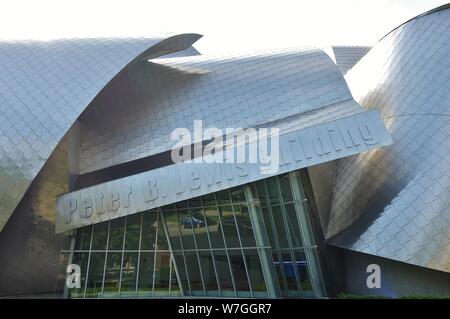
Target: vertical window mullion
x=183, y=254
x=106, y=257
x=225, y=244
x=289, y=238
x=88, y=262
x=241, y=247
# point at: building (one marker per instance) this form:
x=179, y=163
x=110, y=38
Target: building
x=88, y=178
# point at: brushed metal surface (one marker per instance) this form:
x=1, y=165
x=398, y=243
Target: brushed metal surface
x=395, y=202
x=135, y=117
x=44, y=86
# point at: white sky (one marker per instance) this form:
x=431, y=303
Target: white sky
x=227, y=25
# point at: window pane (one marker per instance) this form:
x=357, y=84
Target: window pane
x=223, y=271
x=272, y=189
x=279, y=226
x=303, y=271
x=112, y=275
x=262, y=194
x=116, y=233
x=285, y=188
x=280, y=273
x=80, y=259
x=268, y=226
x=100, y=236
x=294, y=229
x=244, y=225
x=162, y=274
x=237, y=194
x=175, y=290
x=187, y=224
x=239, y=273
x=223, y=197
x=289, y=274
x=133, y=233
x=255, y=273
x=181, y=268
x=171, y=220
x=129, y=274
x=195, y=278
x=149, y=226
x=181, y=205
x=229, y=226
x=209, y=200
x=145, y=285
x=195, y=202
x=208, y=272
x=95, y=277
x=83, y=240
x=213, y=222
x=200, y=229
x=161, y=243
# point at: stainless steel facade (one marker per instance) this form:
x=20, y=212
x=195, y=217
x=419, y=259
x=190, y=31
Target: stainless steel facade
x=225, y=91
x=116, y=101
x=394, y=202
x=44, y=87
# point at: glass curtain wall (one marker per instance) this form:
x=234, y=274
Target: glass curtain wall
x=254, y=240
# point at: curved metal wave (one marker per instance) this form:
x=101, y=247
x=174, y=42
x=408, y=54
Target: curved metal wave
x=45, y=85
x=226, y=91
x=394, y=202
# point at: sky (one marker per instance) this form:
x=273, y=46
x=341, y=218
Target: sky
x=227, y=26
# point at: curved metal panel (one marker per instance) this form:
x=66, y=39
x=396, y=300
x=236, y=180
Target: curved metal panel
x=394, y=202
x=44, y=86
x=228, y=91
x=347, y=56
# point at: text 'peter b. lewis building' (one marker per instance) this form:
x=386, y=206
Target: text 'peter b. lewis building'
x=151, y=170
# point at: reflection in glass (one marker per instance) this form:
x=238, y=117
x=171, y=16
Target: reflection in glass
x=133, y=232
x=214, y=251
x=95, y=276
x=214, y=229
x=116, y=233
x=112, y=275
x=100, y=236
x=162, y=273
x=237, y=194
x=223, y=271
x=200, y=231
x=129, y=274
x=223, y=197
x=272, y=190
x=83, y=240
x=175, y=290
x=294, y=229
x=195, y=277
x=285, y=188
x=181, y=268
x=288, y=266
x=171, y=220
x=161, y=242
x=303, y=271
x=255, y=273
x=280, y=227
x=239, y=273
x=149, y=226
x=187, y=224
x=146, y=267
x=244, y=224
x=229, y=226
x=208, y=272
